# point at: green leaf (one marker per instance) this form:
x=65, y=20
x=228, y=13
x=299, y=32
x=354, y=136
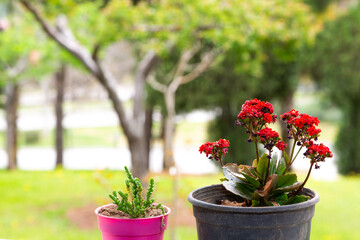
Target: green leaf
x=287, y=160
x=254, y=163
x=288, y=188
x=262, y=166
x=232, y=173
x=273, y=164
x=299, y=199
x=252, y=180
x=255, y=203
x=281, y=199
x=286, y=180
x=281, y=168
x=240, y=189
x=269, y=186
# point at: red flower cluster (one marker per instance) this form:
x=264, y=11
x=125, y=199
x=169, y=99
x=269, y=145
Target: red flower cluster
x=317, y=152
x=299, y=120
x=281, y=145
x=319, y=149
x=267, y=134
x=313, y=131
x=257, y=110
x=222, y=143
x=301, y=124
x=216, y=149
x=207, y=148
x=269, y=138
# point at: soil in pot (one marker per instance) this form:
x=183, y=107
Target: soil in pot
x=111, y=211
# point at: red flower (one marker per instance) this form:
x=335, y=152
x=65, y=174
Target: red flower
x=207, y=148
x=268, y=134
x=222, y=143
x=256, y=110
x=216, y=149
x=313, y=131
x=268, y=118
x=281, y=145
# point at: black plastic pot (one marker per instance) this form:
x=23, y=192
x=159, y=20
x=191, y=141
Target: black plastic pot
x=217, y=222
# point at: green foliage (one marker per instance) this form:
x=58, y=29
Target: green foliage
x=252, y=184
x=333, y=63
x=133, y=202
x=319, y=5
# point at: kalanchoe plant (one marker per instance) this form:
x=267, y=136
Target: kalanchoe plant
x=133, y=202
x=267, y=182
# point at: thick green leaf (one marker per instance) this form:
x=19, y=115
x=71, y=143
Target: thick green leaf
x=286, y=157
x=281, y=168
x=299, y=199
x=273, y=164
x=240, y=189
x=269, y=186
x=247, y=170
x=255, y=203
x=254, y=163
x=262, y=166
x=281, y=199
x=231, y=173
x=288, y=188
x=286, y=180
x=251, y=180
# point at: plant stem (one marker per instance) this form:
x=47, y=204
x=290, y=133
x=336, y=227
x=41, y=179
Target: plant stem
x=296, y=155
x=306, y=179
x=257, y=152
x=221, y=161
x=292, y=161
x=292, y=150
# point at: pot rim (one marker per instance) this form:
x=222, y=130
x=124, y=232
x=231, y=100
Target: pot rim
x=270, y=209
x=130, y=219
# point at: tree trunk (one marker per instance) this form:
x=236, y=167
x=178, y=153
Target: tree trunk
x=168, y=159
x=286, y=105
x=139, y=156
x=148, y=133
x=60, y=84
x=11, y=109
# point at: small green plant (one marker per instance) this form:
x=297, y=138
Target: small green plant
x=133, y=202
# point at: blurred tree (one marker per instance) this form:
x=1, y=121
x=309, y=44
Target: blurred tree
x=19, y=61
x=104, y=33
x=263, y=67
x=333, y=63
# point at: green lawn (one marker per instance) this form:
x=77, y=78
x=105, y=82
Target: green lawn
x=38, y=205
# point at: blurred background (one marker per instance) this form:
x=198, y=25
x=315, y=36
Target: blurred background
x=88, y=87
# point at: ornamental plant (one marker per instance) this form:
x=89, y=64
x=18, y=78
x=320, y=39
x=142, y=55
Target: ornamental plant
x=268, y=181
x=133, y=202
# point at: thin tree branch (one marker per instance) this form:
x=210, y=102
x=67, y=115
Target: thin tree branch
x=19, y=68
x=63, y=36
x=145, y=66
x=186, y=56
x=155, y=84
x=206, y=60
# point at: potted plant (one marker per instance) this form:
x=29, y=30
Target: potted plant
x=131, y=216
x=264, y=200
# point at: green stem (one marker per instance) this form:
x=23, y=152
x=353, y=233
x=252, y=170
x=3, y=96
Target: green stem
x=221, y=161
x=257, y=152
x=303, y=184
x=296, y=155
x=292, y=150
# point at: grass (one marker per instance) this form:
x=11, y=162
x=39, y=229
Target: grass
x=35, y=205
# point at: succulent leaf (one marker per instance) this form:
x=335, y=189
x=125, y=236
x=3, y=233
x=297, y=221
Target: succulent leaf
x=262, y=166
x=241, y=189
x=286, y=180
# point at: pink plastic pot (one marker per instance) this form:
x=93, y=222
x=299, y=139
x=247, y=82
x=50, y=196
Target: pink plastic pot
x=131, y=229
